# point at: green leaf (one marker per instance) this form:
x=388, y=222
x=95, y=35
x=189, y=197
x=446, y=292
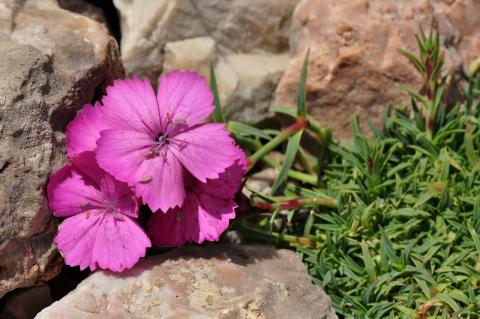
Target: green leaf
x=301, y=94
x=448, y=301
x=245, y=129
x=469, y=147
x=217, y=113
x=290, y=154
x=369, y=263
x=418, y=65
x=308, y=224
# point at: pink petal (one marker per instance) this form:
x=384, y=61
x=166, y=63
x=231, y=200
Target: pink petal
x=158, y=180
x=121, y=195
x=71, y=193
x=76, y=237
x=205, y=150
x=201, y=217
x=228, y=182
x=97, y=238
x=87, y=164
x=184, y=96
x=131, y=104
x=119, y=243
x=121, y=153
x=84, y=131
x=161, y=183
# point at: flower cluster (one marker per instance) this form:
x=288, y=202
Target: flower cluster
x=137, y=147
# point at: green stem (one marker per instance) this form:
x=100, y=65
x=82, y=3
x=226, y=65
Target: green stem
x=292, y=240
x=277, y=140
x=297, y=203
x=302, y=156
x=299, y=176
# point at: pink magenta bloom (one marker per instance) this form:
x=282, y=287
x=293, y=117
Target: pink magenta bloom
x=153, y=141
x=82, y=135
x=100, y=230
x=205, y=213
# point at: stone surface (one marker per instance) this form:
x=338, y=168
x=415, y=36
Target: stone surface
x=194, y=54
x=25, y=303
x=161, y=35
x=258, y=75
x=52, y=62
x=354, y=60
x=216, y=281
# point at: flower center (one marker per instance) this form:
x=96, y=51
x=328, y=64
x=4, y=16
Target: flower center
x=161, y=141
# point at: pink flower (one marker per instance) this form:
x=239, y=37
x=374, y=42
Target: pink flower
x=99, y=230
x=82, y=135
x=205, y=213
x=153, y=141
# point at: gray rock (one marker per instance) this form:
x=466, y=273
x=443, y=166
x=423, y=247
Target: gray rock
x=217, y=281
x=245, y=40
x=258, y=76
x=53, y=61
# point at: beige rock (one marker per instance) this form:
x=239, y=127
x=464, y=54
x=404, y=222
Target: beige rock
x=194, y=54
x=160, y=35
x=52, y=62
x=227, y=80
x=217, y=281
x=236, y=25
x=354, y=61
x=261, y=181
x=258, y=75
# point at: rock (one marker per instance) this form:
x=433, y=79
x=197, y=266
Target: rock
x=25, y=303
x=261, y=181
x=354, y=61
x=238, y=26
x=218, y=281
x=258, y=75
x=161, y=35
x=53, y=61
x=194, y=54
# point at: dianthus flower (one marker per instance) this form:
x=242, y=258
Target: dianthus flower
x=152, y=142
x=99, y=229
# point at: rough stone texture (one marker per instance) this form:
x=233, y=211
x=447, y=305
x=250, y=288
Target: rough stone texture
x=258, y=75
x=160, y=35
x=229, y=281
x=261, y=181
x=194, y=54
x=354, y=63
x=52, y=62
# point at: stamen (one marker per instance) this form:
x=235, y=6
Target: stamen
x=145, y=179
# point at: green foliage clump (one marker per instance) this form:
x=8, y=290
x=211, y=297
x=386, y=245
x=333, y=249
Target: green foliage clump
x=389, y=225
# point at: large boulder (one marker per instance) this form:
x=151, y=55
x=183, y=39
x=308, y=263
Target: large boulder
x=52, y=62
x=354, y=61
x=237, y=36
x=216, y=281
